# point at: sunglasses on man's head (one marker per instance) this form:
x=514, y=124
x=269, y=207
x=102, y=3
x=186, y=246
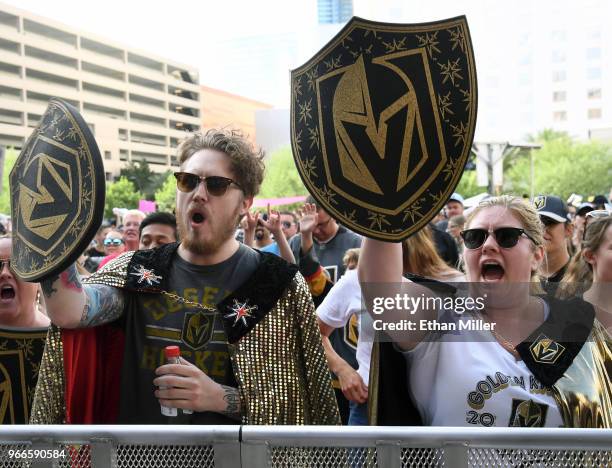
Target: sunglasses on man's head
x=109, y=242
x=506, y=237
x=215, y=185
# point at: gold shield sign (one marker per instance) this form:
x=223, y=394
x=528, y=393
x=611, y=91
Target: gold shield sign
x=57, y=194
x=382, y=123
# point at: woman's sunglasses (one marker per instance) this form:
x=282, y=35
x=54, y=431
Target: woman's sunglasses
x=5, y=261
x=215, y=185
x=598, y=214
x=109, y=242
x=506, y=237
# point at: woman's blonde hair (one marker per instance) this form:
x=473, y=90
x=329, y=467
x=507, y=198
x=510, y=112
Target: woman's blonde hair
x=579, y=274
x=351, y=258
x=419, y=256
x=526, y=214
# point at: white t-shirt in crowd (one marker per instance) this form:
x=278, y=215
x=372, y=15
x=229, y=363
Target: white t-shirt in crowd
x=476, y=382
x=341, y=303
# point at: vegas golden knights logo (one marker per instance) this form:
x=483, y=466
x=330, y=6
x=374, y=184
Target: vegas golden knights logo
x=7, y=410
x=197, y=329
x=382, y=122
x=527, y=413
x=546, y=351
x=351, y=331
x=539, y=202
x=20, y=355
x=57, y=194
x=29, y=198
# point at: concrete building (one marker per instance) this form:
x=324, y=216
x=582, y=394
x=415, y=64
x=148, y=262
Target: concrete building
x=221, y=109
x=137, y=104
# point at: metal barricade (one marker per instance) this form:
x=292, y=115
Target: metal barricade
x=120, y=446
x=300, y=447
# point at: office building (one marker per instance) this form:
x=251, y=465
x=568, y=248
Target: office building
x=137, y=104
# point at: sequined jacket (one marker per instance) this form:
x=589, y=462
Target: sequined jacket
x=570, y=353
x=277, y=358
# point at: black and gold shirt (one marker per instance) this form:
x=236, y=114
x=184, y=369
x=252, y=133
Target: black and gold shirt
x=162, y=320
x=20, y=354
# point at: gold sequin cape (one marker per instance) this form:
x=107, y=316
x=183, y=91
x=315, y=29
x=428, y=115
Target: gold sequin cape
x=277, y=358
x=580, y=378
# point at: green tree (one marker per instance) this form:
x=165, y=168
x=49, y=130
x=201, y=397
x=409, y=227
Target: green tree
x=563, y=167
x=467, y=186
x=144, y=179
x=281, y=177
x=10, y=156
x=165, y=197
x=548, y=135
x=121, y=194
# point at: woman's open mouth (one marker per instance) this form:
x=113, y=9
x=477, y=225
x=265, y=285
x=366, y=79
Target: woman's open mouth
x=492, y=271
x=7, y=293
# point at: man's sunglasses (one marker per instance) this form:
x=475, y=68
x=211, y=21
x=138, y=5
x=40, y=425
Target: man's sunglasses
x=109, y=242
x=5, y=261
x=506, y=237
x=215, y=185
x=547, y=222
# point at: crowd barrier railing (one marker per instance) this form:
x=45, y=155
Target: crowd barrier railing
x=300, y=447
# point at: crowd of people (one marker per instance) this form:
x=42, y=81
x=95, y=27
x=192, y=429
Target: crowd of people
x=274, y=323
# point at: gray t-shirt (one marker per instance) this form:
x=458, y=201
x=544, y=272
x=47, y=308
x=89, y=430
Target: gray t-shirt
x=329, y=254
x=164, y=321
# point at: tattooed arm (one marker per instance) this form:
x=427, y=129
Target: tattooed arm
x=231, y=398
x=71, y=304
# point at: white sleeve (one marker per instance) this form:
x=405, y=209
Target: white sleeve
x=335, y=309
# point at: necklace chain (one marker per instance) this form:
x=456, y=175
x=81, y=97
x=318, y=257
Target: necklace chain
x=188, y=302
x=506, y=343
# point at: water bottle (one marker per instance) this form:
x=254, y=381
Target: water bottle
x=172, y=357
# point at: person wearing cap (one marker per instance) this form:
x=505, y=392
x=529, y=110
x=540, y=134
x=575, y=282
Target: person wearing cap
x=454, y=207
x=600, y=202
x=557, y=231
x=578, y=223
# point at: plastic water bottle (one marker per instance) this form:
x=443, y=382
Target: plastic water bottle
x=172, y=357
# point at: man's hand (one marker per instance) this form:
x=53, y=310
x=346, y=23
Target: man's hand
x=352, y=385
x=188, y=387
x=273, y=224
x=308, y=218
x=249, y=223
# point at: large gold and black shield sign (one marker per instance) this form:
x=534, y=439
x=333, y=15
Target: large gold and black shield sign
x=57, y=194
x=382, y=123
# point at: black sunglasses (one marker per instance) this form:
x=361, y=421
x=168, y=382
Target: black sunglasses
x=506, y=237
x=108, y=242
x=215, y=185
x=5, y=261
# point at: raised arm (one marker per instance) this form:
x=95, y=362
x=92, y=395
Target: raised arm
x=383, y=285
x=273, y=224
x=71, y=304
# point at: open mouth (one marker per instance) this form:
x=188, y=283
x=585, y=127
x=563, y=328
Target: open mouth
x=197, y=218
x=7, y=293
x=492, y=272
